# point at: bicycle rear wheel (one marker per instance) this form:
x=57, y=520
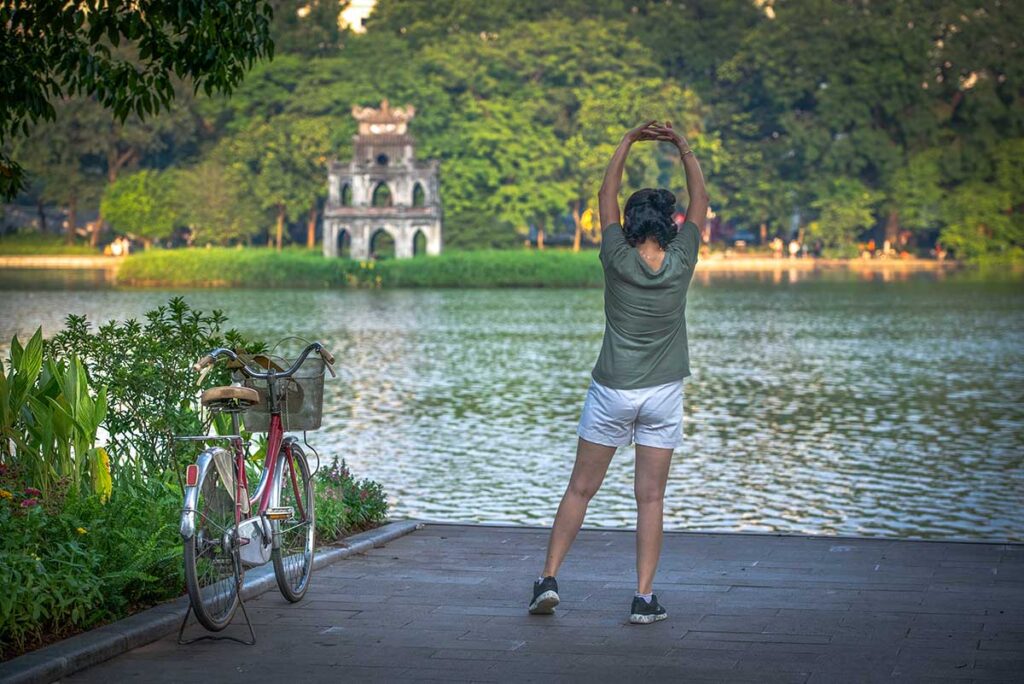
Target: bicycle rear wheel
x=211, y=554
x=293, y=555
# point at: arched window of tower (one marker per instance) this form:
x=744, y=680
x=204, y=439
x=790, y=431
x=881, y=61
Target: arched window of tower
x=381, y=195
x=419, y=243
x=344, y=244
x=382, y=245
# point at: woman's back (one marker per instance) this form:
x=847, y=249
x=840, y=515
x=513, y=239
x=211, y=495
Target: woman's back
x=645, y=325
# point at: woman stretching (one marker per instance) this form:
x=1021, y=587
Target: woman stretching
x=635, y=394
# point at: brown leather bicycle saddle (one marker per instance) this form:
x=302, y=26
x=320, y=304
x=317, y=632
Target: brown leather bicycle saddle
x=230, y=396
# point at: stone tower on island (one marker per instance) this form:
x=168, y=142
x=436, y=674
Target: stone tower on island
x=382, y=190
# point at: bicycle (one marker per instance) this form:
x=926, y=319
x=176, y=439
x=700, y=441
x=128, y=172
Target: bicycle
x=223, y=527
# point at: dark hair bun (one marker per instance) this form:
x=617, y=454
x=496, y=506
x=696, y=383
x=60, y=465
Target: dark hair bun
x=664, y=201
x=648, y=213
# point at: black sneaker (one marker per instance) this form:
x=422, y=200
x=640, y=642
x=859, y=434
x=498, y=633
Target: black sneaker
x=644, y=613
x=545, y=596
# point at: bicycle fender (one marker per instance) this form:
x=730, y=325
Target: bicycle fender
x=188, y=510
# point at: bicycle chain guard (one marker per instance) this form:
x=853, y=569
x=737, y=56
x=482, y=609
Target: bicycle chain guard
x=256, y=544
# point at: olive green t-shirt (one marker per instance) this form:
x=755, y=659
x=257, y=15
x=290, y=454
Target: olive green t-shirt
x=645, y=311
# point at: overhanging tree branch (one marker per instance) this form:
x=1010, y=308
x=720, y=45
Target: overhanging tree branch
x=54, y=48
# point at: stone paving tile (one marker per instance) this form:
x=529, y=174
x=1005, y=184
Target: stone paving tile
x=731, y=623
x=695, y=635
x=778, y=660
x=447, y=603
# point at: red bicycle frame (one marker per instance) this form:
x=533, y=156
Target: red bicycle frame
x=275, y=445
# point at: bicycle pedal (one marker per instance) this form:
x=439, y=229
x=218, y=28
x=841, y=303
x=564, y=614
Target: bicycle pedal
x=280, y=512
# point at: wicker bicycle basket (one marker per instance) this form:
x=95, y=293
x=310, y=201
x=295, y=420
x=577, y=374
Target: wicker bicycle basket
x=300, y=398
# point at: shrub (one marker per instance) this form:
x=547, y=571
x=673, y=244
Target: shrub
x=147, y=368
x=74, y=556
x=49, y=420
x=52, y=581
x=255, y=267
x=74, y=562
x=136, y=535
x=31, y=243
x=344, y=504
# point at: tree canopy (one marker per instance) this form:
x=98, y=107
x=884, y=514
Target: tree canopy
x=124, y=54
x=832, y=118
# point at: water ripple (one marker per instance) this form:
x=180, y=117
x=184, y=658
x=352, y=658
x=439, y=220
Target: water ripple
x=826, y=405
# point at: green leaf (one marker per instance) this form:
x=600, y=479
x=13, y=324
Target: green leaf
x=16, y=352
x=32, y=361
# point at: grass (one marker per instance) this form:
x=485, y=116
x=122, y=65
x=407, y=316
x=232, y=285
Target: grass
x=302, y=268
x=255, y=267
x=35, y=244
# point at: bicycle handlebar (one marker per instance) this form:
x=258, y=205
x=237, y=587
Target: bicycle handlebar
x=210, y=358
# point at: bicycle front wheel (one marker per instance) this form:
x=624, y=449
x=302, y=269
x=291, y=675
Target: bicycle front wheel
x=293, y=552
x=212, y=567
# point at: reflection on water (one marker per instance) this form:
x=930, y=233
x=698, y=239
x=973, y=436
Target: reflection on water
x=821, y=403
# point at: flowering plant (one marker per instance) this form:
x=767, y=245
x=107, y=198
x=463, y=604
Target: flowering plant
x=345, y=504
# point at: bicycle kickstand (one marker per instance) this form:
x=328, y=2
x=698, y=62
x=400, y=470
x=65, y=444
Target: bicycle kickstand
x=211, y=637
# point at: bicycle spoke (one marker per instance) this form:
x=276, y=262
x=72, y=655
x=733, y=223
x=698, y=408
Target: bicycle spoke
x=211, y=559
x=293, y=560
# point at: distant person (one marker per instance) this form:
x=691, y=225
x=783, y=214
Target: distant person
x=636, y=390
x=776, y=245
x=794, y=249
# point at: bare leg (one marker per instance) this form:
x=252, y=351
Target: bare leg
x=649, y=482
x=587, y=475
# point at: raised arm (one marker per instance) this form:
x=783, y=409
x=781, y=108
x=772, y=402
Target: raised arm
x=608, y=196
x=697, y=207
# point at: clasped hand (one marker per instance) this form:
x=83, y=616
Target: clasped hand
x=652, y=130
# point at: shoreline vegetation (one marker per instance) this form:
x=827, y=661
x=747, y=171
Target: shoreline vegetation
x=301, y=268
x=91, y=479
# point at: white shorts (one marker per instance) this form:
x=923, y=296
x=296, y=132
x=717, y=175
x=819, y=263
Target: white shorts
x=649, y=416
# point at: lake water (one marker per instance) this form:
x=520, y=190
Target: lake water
x=825, y=404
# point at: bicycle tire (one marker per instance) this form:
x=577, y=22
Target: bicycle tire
x=210, y=563
x=295, y=537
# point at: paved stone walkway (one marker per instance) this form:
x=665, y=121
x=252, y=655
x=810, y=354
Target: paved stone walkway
x=449, y=603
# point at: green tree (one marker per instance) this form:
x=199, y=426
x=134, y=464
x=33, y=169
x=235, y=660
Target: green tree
x=307, y=27
x=606, y=111
x=49, y=50
x=979, y=223
x=143, y=204
x=509, y=170
x=845, y=208
x=103, y=147
x=216, y=205
x=437, y=22
x=899, y=80
x=137, y=141
x=513, y=111
x=900, y=109
x=63, y=158
x=986, y=217
x=282, y=165
x=917, y=193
